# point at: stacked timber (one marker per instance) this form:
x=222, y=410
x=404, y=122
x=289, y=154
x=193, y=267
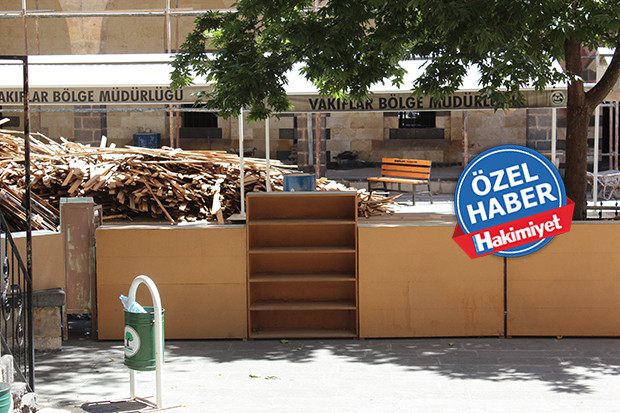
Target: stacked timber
x=130, y=182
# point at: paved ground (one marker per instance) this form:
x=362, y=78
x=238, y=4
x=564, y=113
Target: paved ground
x=398, y=375
x=443, y=208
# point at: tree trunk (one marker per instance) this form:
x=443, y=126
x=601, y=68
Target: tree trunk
x=580, y=106
x=578, y=119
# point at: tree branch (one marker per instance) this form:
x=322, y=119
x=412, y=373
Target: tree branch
x=596, y=95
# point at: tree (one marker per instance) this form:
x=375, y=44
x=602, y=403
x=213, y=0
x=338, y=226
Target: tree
x=347, y=45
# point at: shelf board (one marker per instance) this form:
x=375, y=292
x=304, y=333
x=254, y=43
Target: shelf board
x=302, y=221
x=302, y=305
x=302, y=333
x=310, y=277
x=304, y=249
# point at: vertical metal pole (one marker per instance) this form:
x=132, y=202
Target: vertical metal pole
x=177, y=115
x=267, y=155
x=464, y=127
x=616, y=135
x=25, y=28
x=595, y=155
x=171, y=125
x=177, y=129
x=132, y=384
x=505, y=297
x=241, y=169
x=317, y=146
x=27, y=205
x=177, y=28
x=554, y=136
x=36, y=26
x=168, y=30
x=169, y=50
x=611, y=137
x=310, y=138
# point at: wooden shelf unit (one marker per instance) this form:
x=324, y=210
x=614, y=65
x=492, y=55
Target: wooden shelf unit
x=302, y=265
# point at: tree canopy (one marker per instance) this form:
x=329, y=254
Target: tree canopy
x=345, y=46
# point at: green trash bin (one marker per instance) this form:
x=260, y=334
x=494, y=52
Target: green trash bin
x=5, y=397
x=139, y=339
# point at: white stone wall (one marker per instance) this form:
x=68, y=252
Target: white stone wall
x=488, y=128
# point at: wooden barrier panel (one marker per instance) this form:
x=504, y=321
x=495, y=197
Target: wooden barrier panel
x=199, y=270
x=571, y=287
x=414, y=281
x=48, y=260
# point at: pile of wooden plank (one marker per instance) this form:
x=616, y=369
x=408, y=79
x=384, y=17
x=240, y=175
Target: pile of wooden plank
x=129, y=182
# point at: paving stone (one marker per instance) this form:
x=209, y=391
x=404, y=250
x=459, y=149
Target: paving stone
x=430, y=375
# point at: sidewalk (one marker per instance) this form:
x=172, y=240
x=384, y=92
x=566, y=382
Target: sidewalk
x=396, y=375
x=443, y=185
x=443, y=182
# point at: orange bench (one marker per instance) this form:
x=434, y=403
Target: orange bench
x=404, y=171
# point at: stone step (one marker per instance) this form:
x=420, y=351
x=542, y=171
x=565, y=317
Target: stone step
x=24, y=401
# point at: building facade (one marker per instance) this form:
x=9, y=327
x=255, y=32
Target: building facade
x=74, y=27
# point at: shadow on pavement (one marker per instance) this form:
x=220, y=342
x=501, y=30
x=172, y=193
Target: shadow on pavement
x=89, y=370
x=564, y=365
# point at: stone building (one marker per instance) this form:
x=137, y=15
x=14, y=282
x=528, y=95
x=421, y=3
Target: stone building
x=152, y=28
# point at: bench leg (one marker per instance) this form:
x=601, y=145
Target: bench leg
x=430, y=194
x=413, y=196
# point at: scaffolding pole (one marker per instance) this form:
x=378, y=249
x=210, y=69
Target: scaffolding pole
x=554, y=138
x=109, y=13
x=616, y=134
x=595, y=155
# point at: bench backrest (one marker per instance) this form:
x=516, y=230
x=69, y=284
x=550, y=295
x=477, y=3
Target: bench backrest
x=406, y=168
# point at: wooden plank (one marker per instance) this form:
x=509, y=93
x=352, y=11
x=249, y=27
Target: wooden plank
x=303, y=250
x=160, y=204
x=411, y=175
x=302, y=305
x=421, y=169
x=311, y=277
x=397, y=180
x=302, y=333
x=183, y=182
x=403, y=161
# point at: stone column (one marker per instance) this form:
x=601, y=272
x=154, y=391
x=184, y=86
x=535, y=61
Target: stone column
x=84, y=32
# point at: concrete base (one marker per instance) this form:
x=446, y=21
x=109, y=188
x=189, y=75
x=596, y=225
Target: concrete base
x=48, y=319
x=47, y=329
x=443, y=186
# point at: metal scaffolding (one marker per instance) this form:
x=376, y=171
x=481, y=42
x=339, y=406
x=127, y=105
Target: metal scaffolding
x=167, y=12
